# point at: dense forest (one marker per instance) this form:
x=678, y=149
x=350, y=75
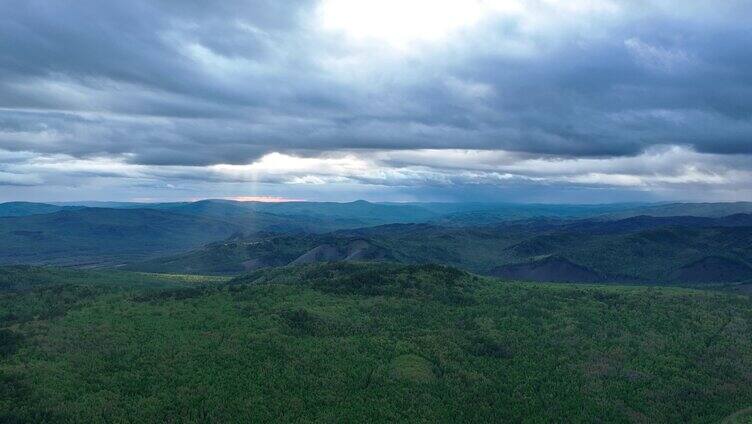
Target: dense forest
x=365, y=342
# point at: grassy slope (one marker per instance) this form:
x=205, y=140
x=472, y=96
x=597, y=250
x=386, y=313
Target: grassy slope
x=23, y=278
x=375, y=343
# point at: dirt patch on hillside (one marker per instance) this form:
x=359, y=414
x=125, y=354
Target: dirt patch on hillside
x=547, y=270
x=254, y=264
x=361, y=250
x=356, y=250
x=321, y=253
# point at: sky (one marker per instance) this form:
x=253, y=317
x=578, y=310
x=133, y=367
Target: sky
x=554, y=101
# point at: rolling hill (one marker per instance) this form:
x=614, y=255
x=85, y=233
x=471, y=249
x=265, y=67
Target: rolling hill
x=245, y=254
x=90, y=236
x=709, y=210
x=651, y=250
x=28, y=208
x=94, y=236
x=229, y=237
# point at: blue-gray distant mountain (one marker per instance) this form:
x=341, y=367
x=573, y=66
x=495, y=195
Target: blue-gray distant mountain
x=29, y=208
x=96, y=236
x=462, y=213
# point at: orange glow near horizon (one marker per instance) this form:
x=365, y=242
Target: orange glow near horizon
x=265, y=199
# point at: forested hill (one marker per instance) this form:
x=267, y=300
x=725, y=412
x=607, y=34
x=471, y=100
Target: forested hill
x=682, y=250
x=354, y=342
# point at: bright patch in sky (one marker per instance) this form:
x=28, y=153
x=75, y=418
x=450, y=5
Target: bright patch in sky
x=400, y=22
x=263, y=199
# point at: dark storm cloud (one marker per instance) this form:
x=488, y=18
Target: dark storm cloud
x=201, y=83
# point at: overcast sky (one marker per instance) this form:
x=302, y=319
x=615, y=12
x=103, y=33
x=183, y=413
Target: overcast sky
x=396, y=100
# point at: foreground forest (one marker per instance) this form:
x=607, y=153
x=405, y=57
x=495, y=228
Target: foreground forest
x=355, y=342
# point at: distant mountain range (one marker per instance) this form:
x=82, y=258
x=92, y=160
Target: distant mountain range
x=368, y=213
x=625, y=243
x=37, y=233
x=28, y=208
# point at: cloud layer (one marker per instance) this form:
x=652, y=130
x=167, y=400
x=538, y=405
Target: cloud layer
x=171, y=99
